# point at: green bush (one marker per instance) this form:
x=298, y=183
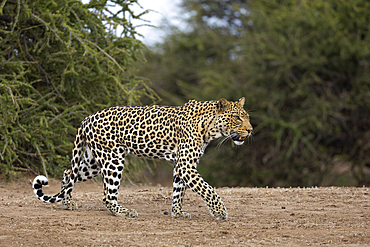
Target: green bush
x=61, y=61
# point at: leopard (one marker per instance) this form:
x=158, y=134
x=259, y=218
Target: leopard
x=179, y=134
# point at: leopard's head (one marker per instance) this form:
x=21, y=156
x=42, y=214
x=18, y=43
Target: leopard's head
x=233, y=120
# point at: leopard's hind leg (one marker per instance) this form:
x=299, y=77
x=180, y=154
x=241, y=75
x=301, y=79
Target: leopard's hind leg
x=67, y=201
x=87, y=169
x=111, y=171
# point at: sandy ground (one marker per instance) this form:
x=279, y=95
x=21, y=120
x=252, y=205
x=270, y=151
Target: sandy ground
x=334, y=216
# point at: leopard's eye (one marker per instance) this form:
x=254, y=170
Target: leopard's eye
x=238, y=118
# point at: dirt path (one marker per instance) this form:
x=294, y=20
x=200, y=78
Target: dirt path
x=257, y=216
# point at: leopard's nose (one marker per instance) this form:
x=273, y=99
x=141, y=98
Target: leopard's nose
x=249, y=131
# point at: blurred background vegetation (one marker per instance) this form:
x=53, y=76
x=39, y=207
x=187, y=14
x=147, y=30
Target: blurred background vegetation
x=303, y=66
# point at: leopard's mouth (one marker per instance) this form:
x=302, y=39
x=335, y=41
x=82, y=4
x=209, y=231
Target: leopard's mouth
x=238, y=139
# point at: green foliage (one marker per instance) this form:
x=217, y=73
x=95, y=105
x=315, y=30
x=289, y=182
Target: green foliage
x=304, y=67
x=61, y=61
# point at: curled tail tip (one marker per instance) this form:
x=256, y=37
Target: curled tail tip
x=39, y=181
x=37, y=184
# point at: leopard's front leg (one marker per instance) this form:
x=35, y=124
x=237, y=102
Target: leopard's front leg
x=192, y=179
x=178, y=195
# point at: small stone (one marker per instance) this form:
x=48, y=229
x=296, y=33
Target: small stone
x=165, y=213
x=282, y=207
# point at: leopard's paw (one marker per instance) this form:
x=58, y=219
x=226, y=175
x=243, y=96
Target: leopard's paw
x=220, y=213
x=131, y=213
x=180, y=214
x=69, y=205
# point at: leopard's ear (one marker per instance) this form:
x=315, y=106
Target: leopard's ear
x=241, y=102
x=222, y=105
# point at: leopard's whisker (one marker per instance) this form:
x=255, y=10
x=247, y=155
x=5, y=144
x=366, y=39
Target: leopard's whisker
x=223, y=141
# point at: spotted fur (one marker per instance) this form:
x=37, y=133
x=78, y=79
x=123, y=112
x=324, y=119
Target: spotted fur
x=177, y=134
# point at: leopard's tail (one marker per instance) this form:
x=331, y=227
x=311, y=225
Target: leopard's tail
x=69, y=179
x=37, y=184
